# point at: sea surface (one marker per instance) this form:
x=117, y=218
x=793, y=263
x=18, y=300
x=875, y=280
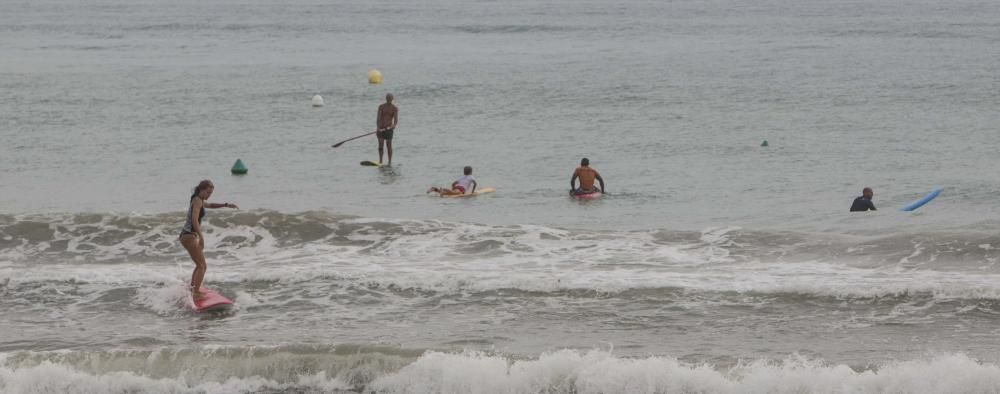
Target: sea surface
x=713, y=265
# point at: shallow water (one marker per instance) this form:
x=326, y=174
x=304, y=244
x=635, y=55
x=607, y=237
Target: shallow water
x=714, y=264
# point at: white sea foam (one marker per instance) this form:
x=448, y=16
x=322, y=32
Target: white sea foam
x=600, y=372
x=484, y=274
x=61, y=379
x=564, y=371
x=165, y=299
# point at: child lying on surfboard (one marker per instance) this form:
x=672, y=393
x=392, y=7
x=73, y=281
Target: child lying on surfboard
x=461, y=185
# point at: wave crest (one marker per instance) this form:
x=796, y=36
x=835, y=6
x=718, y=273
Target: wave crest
x=387, y=370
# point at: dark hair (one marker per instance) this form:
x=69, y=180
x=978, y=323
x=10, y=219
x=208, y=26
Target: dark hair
x=205, y=184
x=585, y=162
x=467, y=170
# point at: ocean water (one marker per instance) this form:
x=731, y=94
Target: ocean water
x=715, y=265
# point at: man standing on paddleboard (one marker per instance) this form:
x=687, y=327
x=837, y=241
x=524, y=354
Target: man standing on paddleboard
x=388, y=116
x=586, y=174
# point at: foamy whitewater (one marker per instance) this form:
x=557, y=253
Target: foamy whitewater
x=715, y=265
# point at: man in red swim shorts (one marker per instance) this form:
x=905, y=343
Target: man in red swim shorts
x=460, y=186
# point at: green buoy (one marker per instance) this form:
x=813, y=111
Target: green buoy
x=763, y=143
x=239, y=168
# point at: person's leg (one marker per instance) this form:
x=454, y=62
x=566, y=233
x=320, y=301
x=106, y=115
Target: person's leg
x=190, y=243
x=381, y=143
x=388, y=145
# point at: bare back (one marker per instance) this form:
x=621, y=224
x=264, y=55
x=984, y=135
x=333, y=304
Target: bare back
x=587, y=176
x=387, y=116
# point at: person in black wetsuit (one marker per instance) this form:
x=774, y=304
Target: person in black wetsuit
x=864, y=203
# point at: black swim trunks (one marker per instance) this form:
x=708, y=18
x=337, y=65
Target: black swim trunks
x=385, y=134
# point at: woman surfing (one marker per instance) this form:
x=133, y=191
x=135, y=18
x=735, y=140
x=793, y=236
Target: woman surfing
x=191, y=236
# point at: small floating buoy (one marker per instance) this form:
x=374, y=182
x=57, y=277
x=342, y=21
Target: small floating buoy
x=239, y=168
x=317, y=101
x=374, y=77
x=764, y=143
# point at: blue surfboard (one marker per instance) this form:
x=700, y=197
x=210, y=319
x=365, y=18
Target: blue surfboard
x=923, y=200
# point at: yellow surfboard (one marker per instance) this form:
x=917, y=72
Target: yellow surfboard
x=478, y=192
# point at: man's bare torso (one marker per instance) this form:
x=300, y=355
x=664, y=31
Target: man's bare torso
x=386, y=114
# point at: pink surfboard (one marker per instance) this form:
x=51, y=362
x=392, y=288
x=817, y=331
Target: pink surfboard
x=212, y=302
x=587, y=195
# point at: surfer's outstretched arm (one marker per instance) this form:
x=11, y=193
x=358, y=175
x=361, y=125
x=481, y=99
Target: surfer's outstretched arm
x=223, y=205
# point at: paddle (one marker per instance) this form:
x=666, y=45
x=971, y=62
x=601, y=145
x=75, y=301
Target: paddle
x=352, y=138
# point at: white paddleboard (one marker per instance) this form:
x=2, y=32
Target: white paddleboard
x=478, y=192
